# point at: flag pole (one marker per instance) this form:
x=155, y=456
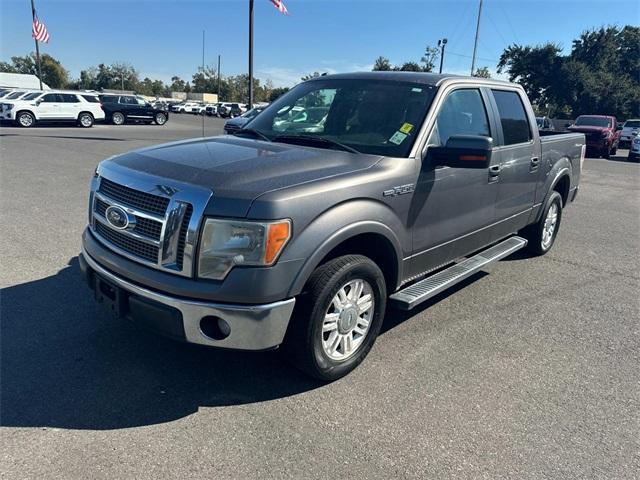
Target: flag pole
x=250, y=54
x=33, y=19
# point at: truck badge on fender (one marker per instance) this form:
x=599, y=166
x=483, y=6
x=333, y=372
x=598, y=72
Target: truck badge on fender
x=400, y=190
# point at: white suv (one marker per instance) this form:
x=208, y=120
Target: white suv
x=83, y=108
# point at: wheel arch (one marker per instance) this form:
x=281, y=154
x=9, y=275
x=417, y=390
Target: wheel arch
x=370, y=238
x=28, y=110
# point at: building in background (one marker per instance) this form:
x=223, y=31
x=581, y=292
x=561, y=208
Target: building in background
x=21, y=80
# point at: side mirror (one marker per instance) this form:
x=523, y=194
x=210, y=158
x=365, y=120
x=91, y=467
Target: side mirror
x=462, y=151
x=618, y=128
x=38, y=102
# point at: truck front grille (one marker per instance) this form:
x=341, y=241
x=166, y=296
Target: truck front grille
x=155, y=226
x=125, y=242
x=136, y=199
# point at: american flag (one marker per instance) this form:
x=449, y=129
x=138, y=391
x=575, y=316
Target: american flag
x=280, y=6
x=39, y=31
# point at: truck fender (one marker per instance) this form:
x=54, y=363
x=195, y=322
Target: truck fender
x=559, y=170
x=338, y=225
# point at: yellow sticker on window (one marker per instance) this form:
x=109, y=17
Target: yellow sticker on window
x=406, y=128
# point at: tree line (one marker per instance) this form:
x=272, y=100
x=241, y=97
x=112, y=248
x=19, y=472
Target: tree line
x=124, y=76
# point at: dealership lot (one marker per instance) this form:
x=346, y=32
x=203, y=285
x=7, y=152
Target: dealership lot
x=530, y=370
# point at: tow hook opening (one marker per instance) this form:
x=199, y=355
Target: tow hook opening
x=215, y=327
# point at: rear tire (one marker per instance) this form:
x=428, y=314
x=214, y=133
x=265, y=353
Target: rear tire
x=85, y=120
x=25, y=119
x=542, y=235
x=117, y=118
x=338, y=317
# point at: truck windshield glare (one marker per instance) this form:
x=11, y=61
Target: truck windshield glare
x=592, y=122
x=380, y=118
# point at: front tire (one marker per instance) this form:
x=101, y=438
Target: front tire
x=160, y=118
x=117, y=118
x=338, y=317
x=542, y=235
x=25, y=119
x=85, y=120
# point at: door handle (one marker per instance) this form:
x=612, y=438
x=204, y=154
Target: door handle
x=494, y=173
x=535, y=161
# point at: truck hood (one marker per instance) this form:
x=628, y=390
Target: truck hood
x=240, y=170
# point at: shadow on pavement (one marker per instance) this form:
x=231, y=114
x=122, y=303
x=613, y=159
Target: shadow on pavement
x=67, y=364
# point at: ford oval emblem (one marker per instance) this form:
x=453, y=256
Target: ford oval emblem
x=117, y=217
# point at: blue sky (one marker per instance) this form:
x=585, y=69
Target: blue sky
x=162, y=38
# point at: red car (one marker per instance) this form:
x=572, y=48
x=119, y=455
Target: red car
x=601, y=132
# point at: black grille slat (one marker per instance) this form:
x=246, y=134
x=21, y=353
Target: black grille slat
x=127, y=243
x=149, y=228
x=182, y=239
x=134, y=198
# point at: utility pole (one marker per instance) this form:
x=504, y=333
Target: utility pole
x=250, y=54
x=33, y=19
x=203, y=79
x=475, y=44
x=441, y=44
x=219, y=77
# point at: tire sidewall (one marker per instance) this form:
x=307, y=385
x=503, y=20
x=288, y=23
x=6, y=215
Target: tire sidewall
x=557, y=199
x=116, y=115
x=326, y=367
x=85, y=115
x=160, y=115
x=33, y=119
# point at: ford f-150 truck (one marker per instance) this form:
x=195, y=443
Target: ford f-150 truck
x=409, y=183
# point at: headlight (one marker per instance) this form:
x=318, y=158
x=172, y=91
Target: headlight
x=229, y=243
x=8, y=106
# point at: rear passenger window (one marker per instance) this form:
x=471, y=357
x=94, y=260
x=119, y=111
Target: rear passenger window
x=513, y=117
x=69, y=98
x=91, y=98
x=462, y=113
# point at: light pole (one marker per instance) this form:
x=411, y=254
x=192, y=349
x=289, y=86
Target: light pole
x=475, y=43
x=250, y=54
x=441, y=44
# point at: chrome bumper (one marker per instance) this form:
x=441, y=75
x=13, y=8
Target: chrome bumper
x=253, y=327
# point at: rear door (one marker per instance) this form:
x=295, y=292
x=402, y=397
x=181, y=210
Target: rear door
x=519, y=158
x=70, y=106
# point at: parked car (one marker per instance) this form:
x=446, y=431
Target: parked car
x=18, y=94
x=634, y=151
x=601, y=132
x=630, y=129
x=224, y=109
x=211, y=109
x=237, y=123
x=52, y=106
x=274, y=238
x=186, y=107
x=120, y=109
x=177, y=108
x=545, y=123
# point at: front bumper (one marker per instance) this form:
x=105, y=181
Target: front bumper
x=252, y=327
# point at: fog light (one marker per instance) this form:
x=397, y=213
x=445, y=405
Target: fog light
x=215, y=327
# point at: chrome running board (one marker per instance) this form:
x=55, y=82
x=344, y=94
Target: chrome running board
x=417, y=293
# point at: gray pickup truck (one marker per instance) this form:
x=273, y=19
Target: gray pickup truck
x=297, y=231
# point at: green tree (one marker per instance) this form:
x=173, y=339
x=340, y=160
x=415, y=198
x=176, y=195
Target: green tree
x=431, y=55
x=277, y=92
x=53, y=73
x=482, y=72
x=382, y=64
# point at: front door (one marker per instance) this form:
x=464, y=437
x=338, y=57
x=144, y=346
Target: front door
x=520, y=163
x=49, y=106
x=452, y=207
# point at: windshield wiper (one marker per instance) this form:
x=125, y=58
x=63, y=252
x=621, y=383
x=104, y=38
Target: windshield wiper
x=314, y=141
x=253, y=133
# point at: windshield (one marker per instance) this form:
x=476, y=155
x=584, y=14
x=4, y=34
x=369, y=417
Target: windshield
x=14, y=95
x=379, y=117
x=31, y=96
x=593, y=122
x=632, y=124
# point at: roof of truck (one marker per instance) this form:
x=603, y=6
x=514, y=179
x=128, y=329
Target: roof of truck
x=416, y=77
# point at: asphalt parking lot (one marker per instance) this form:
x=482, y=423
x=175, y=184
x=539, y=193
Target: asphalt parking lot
x=529, y=371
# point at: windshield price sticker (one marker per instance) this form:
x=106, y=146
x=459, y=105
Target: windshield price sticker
x=398, y=137
x=406, y=128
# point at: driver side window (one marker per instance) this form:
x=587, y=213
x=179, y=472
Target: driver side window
x=462, y=113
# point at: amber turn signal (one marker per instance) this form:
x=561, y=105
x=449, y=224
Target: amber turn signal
x=277, y=237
